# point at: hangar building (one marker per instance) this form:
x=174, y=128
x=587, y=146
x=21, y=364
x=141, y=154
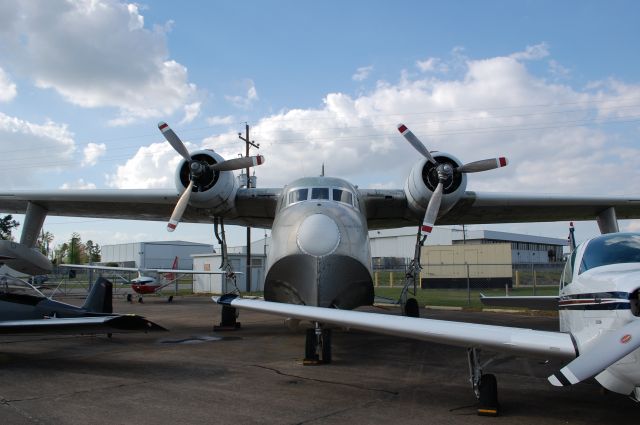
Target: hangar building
x=159, y=254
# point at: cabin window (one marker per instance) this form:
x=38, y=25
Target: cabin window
x=341, y=195
x=298, y=195
x=567, y=273
x=320, y=193
x=613, y=248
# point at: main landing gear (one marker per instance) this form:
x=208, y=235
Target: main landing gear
x=229, y=315
x=317, y=349
x=484, y=386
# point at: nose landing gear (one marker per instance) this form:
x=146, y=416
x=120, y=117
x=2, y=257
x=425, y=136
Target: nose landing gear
x=317, y=349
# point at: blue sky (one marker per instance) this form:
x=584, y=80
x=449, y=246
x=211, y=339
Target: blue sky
x=552, y=85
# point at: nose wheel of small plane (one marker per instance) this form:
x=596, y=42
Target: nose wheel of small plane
x=317, y=346
x=411, y=308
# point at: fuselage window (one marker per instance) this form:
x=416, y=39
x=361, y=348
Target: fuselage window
x=320, y=193
x=342, y=196
x=298, y=195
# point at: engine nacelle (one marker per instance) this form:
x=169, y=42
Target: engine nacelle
x=423, y=179
x=24, y=259
x=215, y=190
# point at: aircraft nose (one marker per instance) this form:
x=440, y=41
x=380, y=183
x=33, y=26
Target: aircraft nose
x=318, y=235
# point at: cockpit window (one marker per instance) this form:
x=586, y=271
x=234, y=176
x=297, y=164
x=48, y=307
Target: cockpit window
x=614, y=248
x=14, y=286
x=342, y=196
x=298, y=195
x=320, y=193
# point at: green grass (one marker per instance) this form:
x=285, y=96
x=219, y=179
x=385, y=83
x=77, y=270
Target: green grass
x=459, y=297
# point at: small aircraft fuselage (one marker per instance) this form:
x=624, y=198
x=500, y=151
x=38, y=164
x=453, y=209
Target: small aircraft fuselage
x=320, y=252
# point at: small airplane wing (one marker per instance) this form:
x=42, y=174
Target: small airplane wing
x=80, y=325
x=136, y=269
x=389, y=208
x=255, y=207
x=520, y=341
x=532, y=302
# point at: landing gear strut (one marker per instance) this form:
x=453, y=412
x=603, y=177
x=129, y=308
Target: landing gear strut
x=317, y=349
x=229, y=315
x=485, y=386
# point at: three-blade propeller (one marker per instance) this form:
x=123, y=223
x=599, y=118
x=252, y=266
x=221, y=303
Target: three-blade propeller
x=197, y=169
x=444, y=171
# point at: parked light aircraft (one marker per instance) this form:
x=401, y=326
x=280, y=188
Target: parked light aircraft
x=24, y=309
x=320, y=253
x=145, y=284
x=599, y=322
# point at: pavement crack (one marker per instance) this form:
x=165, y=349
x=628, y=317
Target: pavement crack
x=337, y=412
x=324, y=381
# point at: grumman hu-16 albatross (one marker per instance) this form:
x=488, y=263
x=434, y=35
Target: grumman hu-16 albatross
x=146, y=284
x=599, y=322
x=24, y=309
x=320, y=252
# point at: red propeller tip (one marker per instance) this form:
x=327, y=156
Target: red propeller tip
x=503, y=161
x=260, y=159
x=162, y=125
x=402, y=128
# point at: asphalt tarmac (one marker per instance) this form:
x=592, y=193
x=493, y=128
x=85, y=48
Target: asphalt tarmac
x=255, y=375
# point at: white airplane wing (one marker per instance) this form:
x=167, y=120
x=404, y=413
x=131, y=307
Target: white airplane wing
x=519, y=341
x=389, y=208
x=80, y=325
x=136, y=269
x=533, y=302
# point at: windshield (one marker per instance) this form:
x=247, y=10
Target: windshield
x=614, y=248
x=15, y=286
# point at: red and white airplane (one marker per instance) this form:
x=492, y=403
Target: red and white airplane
x=145, y=284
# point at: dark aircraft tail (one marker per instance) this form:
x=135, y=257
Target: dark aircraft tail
x=100, y=297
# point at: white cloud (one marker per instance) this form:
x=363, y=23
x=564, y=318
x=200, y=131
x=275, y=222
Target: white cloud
x=362, y=73
x=30, y=148
x=8, y=89
x=558, y=70
x=92, y=152
x=191, y=111
x=218, y=120
x=535, y=52
x=245, y=102
x=497, y=107
x=78, y=184
x=96, y=53
x=432, y=65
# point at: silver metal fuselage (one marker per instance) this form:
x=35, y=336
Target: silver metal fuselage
x=320, y=253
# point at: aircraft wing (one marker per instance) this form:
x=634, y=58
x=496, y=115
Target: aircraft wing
x=389, y=208
x=533, y=302
x=80, y=325
x=136, y=269
x=255, y=207
x=520, y=341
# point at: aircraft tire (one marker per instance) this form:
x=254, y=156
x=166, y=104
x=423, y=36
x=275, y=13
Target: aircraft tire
x=310, y=345
x=488, y=401
x=411, y=308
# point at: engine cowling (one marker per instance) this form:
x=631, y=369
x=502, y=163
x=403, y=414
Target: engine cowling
x=423, y=179
x=215, y=190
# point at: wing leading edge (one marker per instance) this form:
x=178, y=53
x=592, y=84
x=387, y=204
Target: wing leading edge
x=80, y=325
x=520, y=341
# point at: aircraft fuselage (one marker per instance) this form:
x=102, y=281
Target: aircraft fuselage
x=320, y=253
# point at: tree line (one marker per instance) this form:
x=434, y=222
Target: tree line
x=73, y=251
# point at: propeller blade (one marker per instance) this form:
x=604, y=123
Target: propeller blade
x=179, y=209
x=483, y=165
x=415, y=142
x=238, y=163
x=174, y=140
x=431, y=214
x=605, y=351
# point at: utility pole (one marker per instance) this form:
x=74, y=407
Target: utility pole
x=248, y=143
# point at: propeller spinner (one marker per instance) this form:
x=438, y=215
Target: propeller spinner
x=198, y=170
x=445, y=172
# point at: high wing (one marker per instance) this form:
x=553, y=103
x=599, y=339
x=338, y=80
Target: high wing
x=80, y=325
x=257, y=207
x=137, y=269
x=520, y=341
x=390, y=209
x=533, y=302
x=254, y=207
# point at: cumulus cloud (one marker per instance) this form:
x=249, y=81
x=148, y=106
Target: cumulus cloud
x=245, y=102
x=218, y=120
x=191, y=112
x=78, y=184
x=92, y=152
x=362, y=73
x=96, y=53
x=534, y=52
x=432, y=65
x=32, y=148
x=8, y=88
x=497, y=107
